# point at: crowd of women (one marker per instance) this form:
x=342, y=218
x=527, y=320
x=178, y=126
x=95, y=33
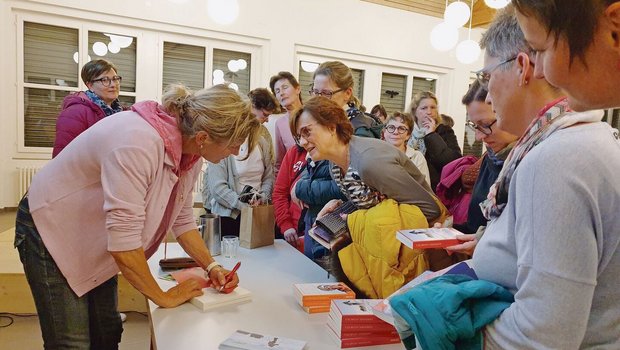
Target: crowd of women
x=538, y=209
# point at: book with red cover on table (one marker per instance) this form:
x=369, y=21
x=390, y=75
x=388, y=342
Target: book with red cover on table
x=354, y=318
x=428, y=238
x=353, y=342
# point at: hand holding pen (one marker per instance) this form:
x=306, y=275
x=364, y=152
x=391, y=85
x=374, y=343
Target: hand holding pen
x=224, y=281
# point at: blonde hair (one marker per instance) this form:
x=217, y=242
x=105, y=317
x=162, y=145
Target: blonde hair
x=340, y=74
x=417, y=99
x=218, y=110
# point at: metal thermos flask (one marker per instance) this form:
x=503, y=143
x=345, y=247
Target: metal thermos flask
x=209, y=227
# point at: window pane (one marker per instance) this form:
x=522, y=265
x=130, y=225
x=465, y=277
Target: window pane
x=49, y=55
x=393, y=92
x=41, y=108
x=184, y=64
x=358, y=83
x=471, y=147
x=423, y=84
x=124, y=59
x=223, y=60
x=127, y=101
x=305, y=78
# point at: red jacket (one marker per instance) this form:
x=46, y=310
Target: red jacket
x=287, y=213
x=78, y=114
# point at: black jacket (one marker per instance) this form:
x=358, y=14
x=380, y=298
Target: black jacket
x=441, y=148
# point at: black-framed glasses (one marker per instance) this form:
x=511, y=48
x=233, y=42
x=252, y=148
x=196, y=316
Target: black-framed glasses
x=485, y=129
x=392, y=129
x=105, y=81
x=324, y=93
x=484, y=75
x=304, y=132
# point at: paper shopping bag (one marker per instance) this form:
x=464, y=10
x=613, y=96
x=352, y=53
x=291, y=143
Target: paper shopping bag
x=257, y=225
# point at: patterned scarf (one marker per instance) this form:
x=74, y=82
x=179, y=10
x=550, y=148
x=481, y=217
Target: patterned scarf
x=555, y=116
x=108, y=110
x=417, y=139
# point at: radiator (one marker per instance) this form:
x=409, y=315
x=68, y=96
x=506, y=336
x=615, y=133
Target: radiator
x=25, y=178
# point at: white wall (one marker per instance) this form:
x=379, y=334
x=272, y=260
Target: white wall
x=363, y=35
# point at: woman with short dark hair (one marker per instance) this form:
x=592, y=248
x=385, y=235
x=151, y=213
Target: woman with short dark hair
x=83, y=109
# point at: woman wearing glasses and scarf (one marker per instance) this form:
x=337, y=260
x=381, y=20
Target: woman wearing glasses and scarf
x=396, y=132
x=82, y=110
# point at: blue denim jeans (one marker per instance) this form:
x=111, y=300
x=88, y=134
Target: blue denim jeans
x=67, y=321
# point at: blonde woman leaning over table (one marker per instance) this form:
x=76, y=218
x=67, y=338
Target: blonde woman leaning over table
x=106, y=202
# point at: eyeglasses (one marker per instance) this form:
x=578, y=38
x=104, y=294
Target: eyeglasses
x=392, y=129
x=105, y=81
x=485, y=129
x=484, y=75
x=324, y=93
x=304, y=132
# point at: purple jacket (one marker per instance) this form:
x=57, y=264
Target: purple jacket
x=449, y=188
x=78, y=114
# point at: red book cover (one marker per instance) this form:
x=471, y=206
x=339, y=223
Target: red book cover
x=428, y=238
x=362, y=341
x=350, y=328
x=354, y=311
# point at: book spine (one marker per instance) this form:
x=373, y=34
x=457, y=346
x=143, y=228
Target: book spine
x=316, y=309
x=355, y=342
x=325, y=298
x=347, y=335
x=360, y=327
x=435, y=244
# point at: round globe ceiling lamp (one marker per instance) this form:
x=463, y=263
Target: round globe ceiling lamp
x=223, y=12
x=497, y=4
x=457, y=14
x=444, y=36
x=309, y=67
x=467, y=51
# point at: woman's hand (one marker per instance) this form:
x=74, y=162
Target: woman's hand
x=429, y=124
x=294, y=198
x=468, y=246
x=290, y=236
x=180, y=293
x=218, y=276
x=329, y=207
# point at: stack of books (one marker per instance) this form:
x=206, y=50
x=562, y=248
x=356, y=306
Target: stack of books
x=352, y=324
x=316, y=297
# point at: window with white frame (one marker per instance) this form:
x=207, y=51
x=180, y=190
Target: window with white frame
x=50, y=74
x=51, y=56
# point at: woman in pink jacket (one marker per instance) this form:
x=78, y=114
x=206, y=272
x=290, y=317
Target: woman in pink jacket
x=107, y=201
x=83, y=109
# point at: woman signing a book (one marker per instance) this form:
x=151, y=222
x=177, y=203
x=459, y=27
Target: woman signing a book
x=108, y=200
x=380, y=180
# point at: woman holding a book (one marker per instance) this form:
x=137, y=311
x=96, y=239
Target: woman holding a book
x=554, y=232
x=380, y=180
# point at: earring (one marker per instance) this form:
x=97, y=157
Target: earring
x=526, y=81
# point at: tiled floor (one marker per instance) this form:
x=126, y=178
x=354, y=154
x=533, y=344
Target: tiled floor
x=25, y=333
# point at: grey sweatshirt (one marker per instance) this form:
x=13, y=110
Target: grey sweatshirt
x=389, y=171
x=556, y=246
